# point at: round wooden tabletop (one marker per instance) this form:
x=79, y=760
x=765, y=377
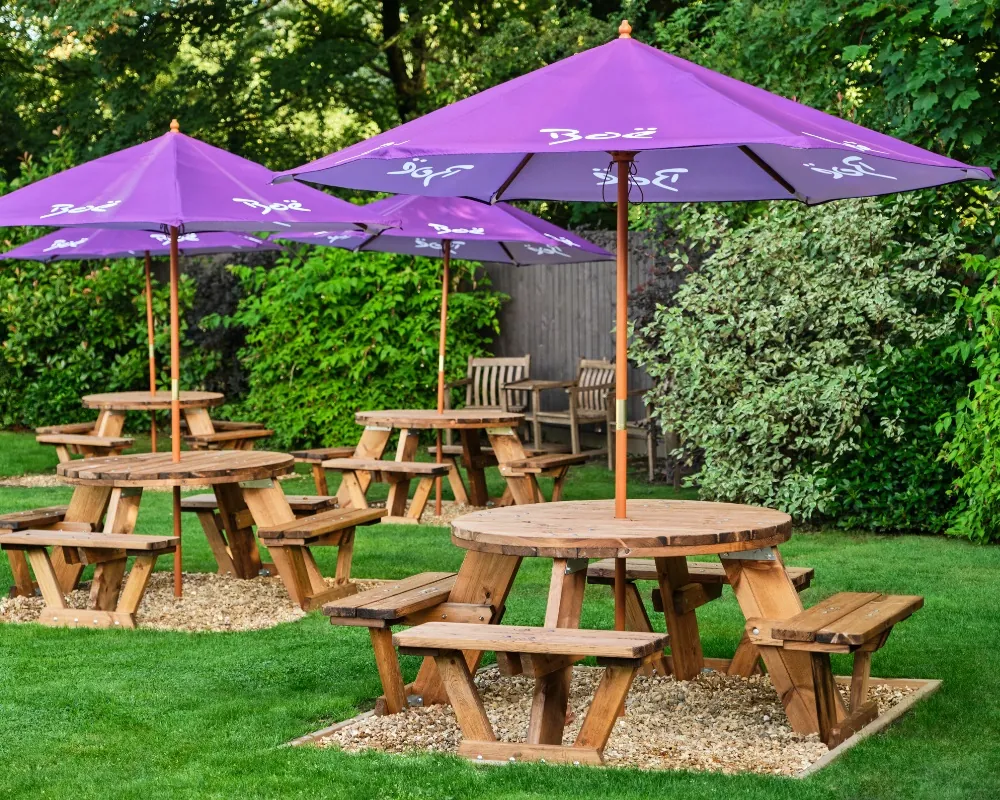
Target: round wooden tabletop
x=144, y=401
x=428, y=419
x=588, y=529
x=196, y=468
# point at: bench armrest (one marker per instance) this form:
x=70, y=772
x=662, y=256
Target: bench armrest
x=456, y=384
x=531, y=385
x=597, y=387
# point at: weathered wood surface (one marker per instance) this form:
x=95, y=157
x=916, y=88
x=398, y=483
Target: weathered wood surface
x=428, y=419
x=33, y=518
x=588, y=529
x=523, y=639
x=128, y=542
x=393, y=600
x=300, y=503
x=85, y=440
x=705, y=572
x=198, y=468
x=318, y=525
x=317, y=455
x=144, y=401
x=848, y=618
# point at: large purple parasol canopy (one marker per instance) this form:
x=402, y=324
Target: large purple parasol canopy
x=68, y=244
x=698, y=135
x=474, y=232
x=175, y=181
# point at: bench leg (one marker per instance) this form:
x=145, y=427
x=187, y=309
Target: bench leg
x=456, y=482
x=551, y=696
x=23, y=585
x=292, y=570
x=603, y=712
x=472, y=456
x=464, y=696
x=107, y=584
x=685, y=644
x=135, y=586
x=746, y=659
x=636, y=619
x=826, y=694
x=507, y=447
x=388, y=670
x=242, y=543
x=88, y=505
x=859, y=679
x=48, y=582
x=319, y=478
x=419, y=501
x=211, y=524
x=345, y=554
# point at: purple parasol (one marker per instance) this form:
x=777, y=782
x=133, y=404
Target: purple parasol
x=73, y=244
x=473, y=231
x=454, y=226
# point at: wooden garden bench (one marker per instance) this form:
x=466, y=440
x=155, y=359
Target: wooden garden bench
x=239, y=439
x=206, y=506
x=411, y=601
x=595, y=378
x=484, y=382
x=849, y=622
x=543, y=652
x=47, y=517
x=316, y=456
x=79, y=438
x=291, y=543
x=549, y=465
x=397, y=474
x=111, y=604
x=706, y=582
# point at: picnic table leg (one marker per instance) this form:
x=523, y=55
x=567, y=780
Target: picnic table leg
x=685, y=644
x=109, y=423
x=87, y=505
x=507, y=447
x=472, y=455
x=399, y=490
x=551, y=697
x=198, y=421
x=371, y=445
x=763, y=589
x=237, y=521
x=123, y=510
x=483, y=579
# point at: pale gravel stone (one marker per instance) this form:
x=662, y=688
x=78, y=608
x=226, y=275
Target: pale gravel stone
x=716, y=723
x=210, y=603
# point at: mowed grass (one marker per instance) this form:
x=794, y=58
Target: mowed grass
x=146, y=714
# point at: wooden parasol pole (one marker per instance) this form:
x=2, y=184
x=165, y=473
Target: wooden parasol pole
x=175, y=398
x=624, y=162
x=445, y=283
x=152, y=351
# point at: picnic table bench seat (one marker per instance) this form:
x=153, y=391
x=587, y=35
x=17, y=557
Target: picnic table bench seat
x=410, y=601
x=24, y=586
x=111, y=603
x=396, y=473
x=549, y=465
x=82, y=443
x=290, y=546
x=316, y=456
x=545, y=654
x=849, y=622
x=238, y=439
x=706, y=580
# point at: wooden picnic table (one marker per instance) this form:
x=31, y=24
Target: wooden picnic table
x=113, y=405
x=108, y=491
x=498, y=425
x=571, y=533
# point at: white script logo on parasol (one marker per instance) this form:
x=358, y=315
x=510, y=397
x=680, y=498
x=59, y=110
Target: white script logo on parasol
x=443, y=229
x=861, y=148
x=606, y=177
x=853, y=167
x=564, y=135
x=422, y=243
x=547, y=250
x=63, y=244
x=162, y=238
x=427, y=174
x=562, y=240
x=267, y=208
x=68, y=208
x=332, y=238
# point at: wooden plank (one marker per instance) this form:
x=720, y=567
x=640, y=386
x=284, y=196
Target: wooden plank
x=48, y=583
x=604, y=708
x=525, y=639
x=337, y=519
x=388, y=670
x=406, y=603
x=486, y=751
x=826, y=694
x=865, y=714
x=33, y=518
x=85, y=440
x=465, y=699
x=85, y=618
x=131, y=543
x=135, y=586
x=384, y=465
x=705, y=572
x=868, y=621
x=803, y=626
x=685, y=643
x=349, y=606
x=450, y=612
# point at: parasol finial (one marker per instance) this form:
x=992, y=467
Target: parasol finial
x=624, y=30
x=175, y=126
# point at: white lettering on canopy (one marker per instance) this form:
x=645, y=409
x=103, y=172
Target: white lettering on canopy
x=861, y=148
x=607, y=177
x=563, y=240
x=422, y=243
x=543, y=250
x=267, y=208
x=62, y=244
x=427, y=174
x=68, y=208
x=336, y=237
x=443, y=229
x=853, y=167
x=162, y=238
x=564, y=135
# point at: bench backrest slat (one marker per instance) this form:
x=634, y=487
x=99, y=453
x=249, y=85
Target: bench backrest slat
x=488, y=374
x=594, y=372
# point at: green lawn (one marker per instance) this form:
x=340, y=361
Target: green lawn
x=146, y=714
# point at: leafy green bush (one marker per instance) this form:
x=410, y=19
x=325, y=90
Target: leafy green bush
x=769, y=359
x=974, y=425
x=333, y=332
x=72, y=328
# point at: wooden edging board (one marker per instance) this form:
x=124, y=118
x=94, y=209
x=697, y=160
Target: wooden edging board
x=924, y=688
